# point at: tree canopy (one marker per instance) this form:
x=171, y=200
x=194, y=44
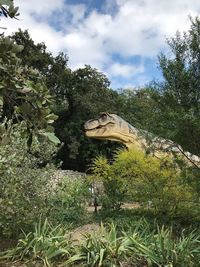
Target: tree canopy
x=177, y=98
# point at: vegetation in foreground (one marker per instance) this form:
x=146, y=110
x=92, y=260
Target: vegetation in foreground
x=142, y=245
x=59, y=206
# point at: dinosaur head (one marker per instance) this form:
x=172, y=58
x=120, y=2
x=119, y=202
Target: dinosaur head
x=110, y=127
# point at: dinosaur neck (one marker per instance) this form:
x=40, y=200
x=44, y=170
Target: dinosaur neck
x=134, y=138
x=135, y=144
x=159, y=146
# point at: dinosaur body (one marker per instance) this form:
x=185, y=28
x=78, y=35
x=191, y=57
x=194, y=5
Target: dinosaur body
x=112, y=127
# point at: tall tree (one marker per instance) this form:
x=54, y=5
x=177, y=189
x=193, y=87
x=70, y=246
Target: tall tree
x=33, y=55
x=138, y=107
x=88, y=94
x=178, y=96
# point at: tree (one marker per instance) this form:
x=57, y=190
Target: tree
x=87, y=94
x=33, y=55
x=138, y=107
x=178, y=96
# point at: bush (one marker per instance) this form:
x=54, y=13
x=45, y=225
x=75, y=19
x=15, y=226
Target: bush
x=70, y=199
x=28, y=191
x=24, y=189
x=139, y=177
x=114, y=189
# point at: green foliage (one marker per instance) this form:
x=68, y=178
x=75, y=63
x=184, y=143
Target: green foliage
x=102, y=248
x=138, y=107
x=191, y=176
x=24, y=188
x=141, y=247
x=23, y=93
x=150, y=179
x=69, y=201
x=114, y=187
x=177, y=98
x=144, y=178
x=29, y=186
x=160, y=248
x=46, y=244
x=7, y=8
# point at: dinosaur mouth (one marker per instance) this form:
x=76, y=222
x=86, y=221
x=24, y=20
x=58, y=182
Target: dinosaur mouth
x=97, y=127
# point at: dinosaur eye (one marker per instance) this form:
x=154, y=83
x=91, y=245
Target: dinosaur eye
x=103, y=116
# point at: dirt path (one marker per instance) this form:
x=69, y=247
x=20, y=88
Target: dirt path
x=124, y=206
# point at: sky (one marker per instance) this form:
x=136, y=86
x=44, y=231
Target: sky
x=121, y=38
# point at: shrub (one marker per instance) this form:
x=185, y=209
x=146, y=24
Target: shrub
x=140, y=177
x=70, y=199
x=151, y=179
x=114, y=189
x=24, y=189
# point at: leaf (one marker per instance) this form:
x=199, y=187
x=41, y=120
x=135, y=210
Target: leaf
x=51, y=117
x=2, y=67
x=102, y=253
x=51, y=137
x=4, y=11
x=26, y=90
x=50, y=129
x=17, y=48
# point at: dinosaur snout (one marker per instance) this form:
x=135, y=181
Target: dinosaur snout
x=91, y=124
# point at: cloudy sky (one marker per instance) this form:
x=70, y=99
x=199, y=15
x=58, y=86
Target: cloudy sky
x=121, y=38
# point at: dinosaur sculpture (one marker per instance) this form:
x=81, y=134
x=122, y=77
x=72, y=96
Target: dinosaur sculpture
x=112, y=127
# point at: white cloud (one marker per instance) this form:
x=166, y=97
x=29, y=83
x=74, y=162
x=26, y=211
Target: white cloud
x=82, y=50
x=130, y=28
x=77, y=12
x=39, y=31
x=125, y=70
x=140, y=27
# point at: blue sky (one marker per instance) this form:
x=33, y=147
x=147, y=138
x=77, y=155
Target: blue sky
x=121, y=38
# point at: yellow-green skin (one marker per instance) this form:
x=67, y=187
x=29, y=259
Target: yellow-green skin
x=112, y=127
